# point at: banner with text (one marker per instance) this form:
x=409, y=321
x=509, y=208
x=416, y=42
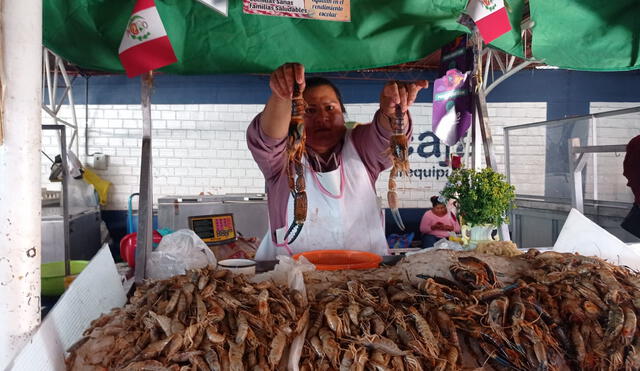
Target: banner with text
x=328, y=10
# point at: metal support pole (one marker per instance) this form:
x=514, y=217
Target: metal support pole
x=577, y=162
x=489, y=154
x=65, y=194
x=20, y=196
x=483, y=121
x=476, y=139
x=145, y=206
x=507, y=155
x=594, y=142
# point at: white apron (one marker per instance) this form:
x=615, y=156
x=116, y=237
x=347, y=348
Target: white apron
x=342, y=212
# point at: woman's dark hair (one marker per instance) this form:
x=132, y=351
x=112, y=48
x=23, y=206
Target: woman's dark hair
x=313, y=82
x=435, y=201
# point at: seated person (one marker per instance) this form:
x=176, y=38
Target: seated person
x=437, y=223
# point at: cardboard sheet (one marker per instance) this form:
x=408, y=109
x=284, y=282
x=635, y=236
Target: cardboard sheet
x=95, y=291
x=579, y=234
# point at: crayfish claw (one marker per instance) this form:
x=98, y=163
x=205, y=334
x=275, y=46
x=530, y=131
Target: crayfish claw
x=397, y=218
x=294, y=226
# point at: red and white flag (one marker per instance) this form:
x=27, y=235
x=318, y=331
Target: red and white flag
x=145, y=45
x=490, y=17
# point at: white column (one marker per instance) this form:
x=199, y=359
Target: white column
x=20, y=204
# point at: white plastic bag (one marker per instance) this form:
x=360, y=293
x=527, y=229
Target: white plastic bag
x=288, y=272
x=581, y=235
x=445, y=244
x=178, y=252
x=441, y=244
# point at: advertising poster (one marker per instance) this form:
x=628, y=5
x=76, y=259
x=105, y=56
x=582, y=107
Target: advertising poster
x=327, y=10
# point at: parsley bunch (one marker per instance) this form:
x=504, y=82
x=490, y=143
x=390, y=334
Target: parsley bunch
x=483, y=197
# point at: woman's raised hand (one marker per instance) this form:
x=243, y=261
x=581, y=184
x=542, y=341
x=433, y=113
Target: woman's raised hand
x=282, y=79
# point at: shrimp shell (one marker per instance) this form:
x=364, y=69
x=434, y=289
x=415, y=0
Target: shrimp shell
x=201, y=309
x=277, y=347
x=243, y=327
x=316, y=345
x=382, y=344
x=360, y=359
x=303, y=321
x=155, y=348
x=202, y=281
x=209, y=290
x=216, y=312
x=430, y=342
x=578, y=344
x=347, y=360
x=263, y=303
x=236, y=351
x=629, y=327
x=198, y=363
x=353, y=309
x=331, y=315
x=366, y=312
x=615, y=322
x=378, y=326
x=315, y=326
x=329, y=346
x=175, y=345
x=397, y=363
x=211, y=357
x=173, y=302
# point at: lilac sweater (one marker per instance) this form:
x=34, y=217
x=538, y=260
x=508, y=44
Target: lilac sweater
x=370, y=140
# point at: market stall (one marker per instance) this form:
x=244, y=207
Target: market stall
x=434, y=310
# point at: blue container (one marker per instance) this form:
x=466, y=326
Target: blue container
x=132, y=216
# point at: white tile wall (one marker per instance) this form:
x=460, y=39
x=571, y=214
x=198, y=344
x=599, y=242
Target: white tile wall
x=202, y=148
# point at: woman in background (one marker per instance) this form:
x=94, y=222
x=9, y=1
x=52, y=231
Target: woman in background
x=632, y=172
x=437, y=223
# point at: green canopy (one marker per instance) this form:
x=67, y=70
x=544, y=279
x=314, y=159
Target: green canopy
x=583, y=35
x=588, y=35
x=381, y=33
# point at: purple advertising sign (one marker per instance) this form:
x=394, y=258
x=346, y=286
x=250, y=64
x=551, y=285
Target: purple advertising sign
x=452, y=106
x=456, y=54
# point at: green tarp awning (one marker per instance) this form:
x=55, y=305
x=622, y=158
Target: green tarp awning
x=585, y=35
x=588, y=35
x=381, y=33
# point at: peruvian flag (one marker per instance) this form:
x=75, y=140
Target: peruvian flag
x=145, y=45
x=491, y=18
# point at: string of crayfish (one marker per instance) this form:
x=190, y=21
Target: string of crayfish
x=295, y=169
x=398, y=150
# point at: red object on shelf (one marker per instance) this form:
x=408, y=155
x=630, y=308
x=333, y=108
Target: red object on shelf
x=456, y=162
x=128, y=246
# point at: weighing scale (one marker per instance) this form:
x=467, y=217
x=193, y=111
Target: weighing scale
x=214, y=229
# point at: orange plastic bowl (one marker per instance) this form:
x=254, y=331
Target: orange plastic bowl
x=333, y=260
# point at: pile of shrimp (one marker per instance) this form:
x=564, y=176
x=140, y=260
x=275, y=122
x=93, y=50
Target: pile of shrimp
x=568, y=312
x=564, y=312
x=204, y=320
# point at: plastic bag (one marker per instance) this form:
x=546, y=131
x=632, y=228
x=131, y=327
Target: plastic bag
x=441, y=244
x=290, y=272
x=178, y=252
x=581, y=235
x=400, y=241
x=445, y=244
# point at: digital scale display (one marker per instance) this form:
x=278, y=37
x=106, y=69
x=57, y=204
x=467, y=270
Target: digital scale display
x=214, y=229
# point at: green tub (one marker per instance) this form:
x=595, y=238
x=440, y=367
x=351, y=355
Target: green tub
x=53, y=276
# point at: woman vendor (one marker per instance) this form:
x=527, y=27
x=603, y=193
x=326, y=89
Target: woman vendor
x=340, y=165
x=437, y=223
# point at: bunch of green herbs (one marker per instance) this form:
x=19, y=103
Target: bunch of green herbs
x=483, y=197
